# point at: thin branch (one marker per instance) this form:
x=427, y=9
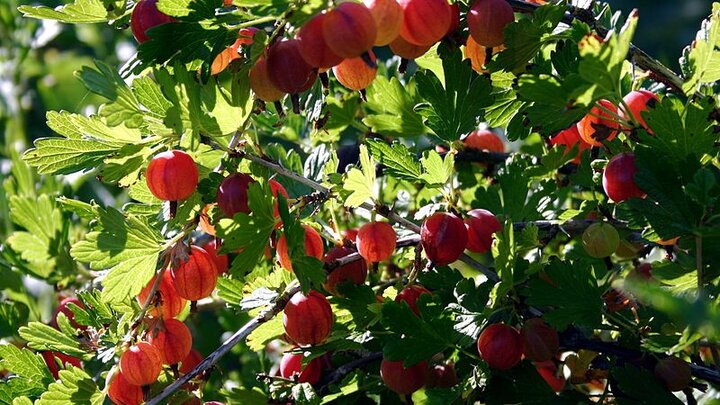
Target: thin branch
x=337, y=375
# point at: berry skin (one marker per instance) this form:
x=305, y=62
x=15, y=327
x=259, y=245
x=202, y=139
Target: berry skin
x=619, y=178
x=354, y=272
x=350, y=234
x=484, y=140
x=376, y=241
x=354, y=73
x=410, y=295
x=454, y=18
x=50, y=359
x=598, y=125
x=261, y=84
x=403, y=381
x=190, y=361
x=231, y=53
x=500, y=346
x=674, y=372
x=487, y=19
x=291, y=367
x=388, y=16
x=170, y=303
x=287, y=69
x=349, y=29
x=121, y=392
x=308, y=319
x=277, y=188
x=195, y=278
x=63, y=307
x=568, y=138
x=638, y=101
x=481, y=225
x=232, y=194
x=173, y=342
x=541, y=342
x=600, y=240
x=146, y=15
x=313, y=247
x=172, y=175
x=442, y=375
x=549, y=372
x=425, y=21
x=205, y=220
x=404, y=49
x=221, y=261
x=444, y=238
x=141, y=364
x=312, y=45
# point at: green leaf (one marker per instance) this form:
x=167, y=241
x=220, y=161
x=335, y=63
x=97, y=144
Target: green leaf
x=651, y=391
x=270, y=330
x=398, y=160
x=81, y=11
x=128, y=246
x=524, y=385
x=187, y=8
x=27, y=365
x=553, y=105
x=394, y=106
x=360, y=182
x=12, y=316
x=437, y=170
x=75, y=386
x=106, y=82
x=44, y=337
x=703, y=56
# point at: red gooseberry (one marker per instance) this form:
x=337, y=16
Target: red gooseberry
x=500, y=346
x=121, y=392
x=444, y=238
x=195, y=278
x=568, y=138
x=354, y=272
x=442, y=376
x=291, y=367
x=404, y=49
x=287, y=69
x=541, y=341
x=169, y=304
x=619, y=178
x=146, y=15
x=308, y=319
x=277, y=189
x=205, y=220
x=674, y=372
x=484, y=139
x=376, y=241
x=454, y=18
x=141, y=364
x=190, y=361
x=350, y=234
x=354, y=73
x=410, y=295
x=487, y=19
x=312, y=45
x=231, y=53
x=388, y=16
x=403, y=380
x=478, y=54
x=63, y=307
x=599, y=125
x=349, y=29
x=221, y=261
x=638, y=102
x=548, y=370
x=232, y=194
x=425, y=21
x=173, y=341
x=313, y=247
x=51, y=359
x=261, y=84
x=481, y=225
x=172, y=175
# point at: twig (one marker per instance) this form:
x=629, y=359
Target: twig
x=352, y=257
x=236, y=338
x=337, y=375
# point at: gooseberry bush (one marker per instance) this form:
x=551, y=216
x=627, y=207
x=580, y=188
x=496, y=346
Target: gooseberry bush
x=388, y=201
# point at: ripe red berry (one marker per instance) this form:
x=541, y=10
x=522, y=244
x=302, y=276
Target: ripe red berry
x=388, y=16
x=195, y=278
x=600, y=240
x=619, y=178
x=313, y=247
x=51, y=358
x=190, y=361
x=454, y=18
x=261, y=84
x=481, y=225
x=308, y=319
x=146, y=15
x=121, y=392
x=403, y=381
x=638, y=101
x=232, y=194
x=487, y=19
x=568, y=138
x=355, y=271
x=291, y=367
x=541, y=341
x=410, y=295
x=170, y=303
x=442, y=375
x=404, y=49
x=484, y=139
x=599, y=124
x=675, y=373
x=500, y=346
x=277, y=188
x=172, y=175
x=312, y=45
x=63, y=307
x=548, y=370
x=141, y=364
x=478, y=54
x=350, y=234
x=349, y=29
x=376, y=241
x=221, y=261
x=354, y=73
x=231, y=53
x=287, y=69
x=173, y=341
x=425, y=21
x=444, y=238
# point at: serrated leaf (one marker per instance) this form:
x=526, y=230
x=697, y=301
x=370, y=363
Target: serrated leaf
x=398, y=160
x=12, y=316
x=360, y=182
x=106, y=82
x=29, y=366
x=651, y=391
x=44, y=337
x=703, y=56
x=270, y=330
x=437, y=170
x=394, y=107
x=81, y=11
x=75, y=386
